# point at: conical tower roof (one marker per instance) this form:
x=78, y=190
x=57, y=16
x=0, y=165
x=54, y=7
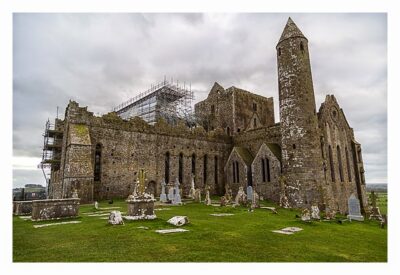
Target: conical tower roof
x=291, y=30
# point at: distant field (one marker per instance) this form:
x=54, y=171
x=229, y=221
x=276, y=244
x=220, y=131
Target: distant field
x=243, y=237
x=381, y=201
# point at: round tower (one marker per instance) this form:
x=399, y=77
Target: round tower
x=301, y=149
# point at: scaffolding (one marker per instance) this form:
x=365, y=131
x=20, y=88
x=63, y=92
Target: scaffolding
x=172, y=102
x=51, y=155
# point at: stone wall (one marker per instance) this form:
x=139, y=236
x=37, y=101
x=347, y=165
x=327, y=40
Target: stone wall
x=55, y=209
x=234, y=110
x=22, y=207
x=127, y=146
x=267, y=186
x=342, y=166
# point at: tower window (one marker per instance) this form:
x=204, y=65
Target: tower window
x=254, y=122
x=228, y=131
x=268, y=171
x=212, y=109
x=294, y=146
x=302, y=47
x=255, y=107
x=279, y=52
x=238, y=130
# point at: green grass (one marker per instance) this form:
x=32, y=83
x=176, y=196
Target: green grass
x=244, y=237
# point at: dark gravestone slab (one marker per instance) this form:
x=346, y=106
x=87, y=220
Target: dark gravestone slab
x=354, y=209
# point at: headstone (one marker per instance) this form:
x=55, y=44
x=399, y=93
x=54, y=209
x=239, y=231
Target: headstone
x=375, y=212
x=140, y=203
x=249, y=192
x=241, y=197
x=305, y=215
x=255, y=200
x=96, y=205
x=315, y=212
x=207, y=200
x=228, y=194
x=178, y=220
x=171, y=195
x=222, y=201
x=283, y=200
x=115, y=218
x=354, y=209
x=192, y=189
x=197, y=195
x=177, y=194
x=163, y=196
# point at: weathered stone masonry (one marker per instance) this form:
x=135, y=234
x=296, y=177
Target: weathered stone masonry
x=236, y=142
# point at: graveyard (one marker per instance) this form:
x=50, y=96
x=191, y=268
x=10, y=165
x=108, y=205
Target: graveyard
x=214, y=234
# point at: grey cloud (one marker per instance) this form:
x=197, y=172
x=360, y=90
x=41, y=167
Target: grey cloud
x=101, y=60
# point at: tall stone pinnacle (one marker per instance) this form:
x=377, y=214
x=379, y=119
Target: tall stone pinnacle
x=290, y=30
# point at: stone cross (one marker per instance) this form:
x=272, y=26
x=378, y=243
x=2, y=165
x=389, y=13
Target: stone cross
x=141, y=182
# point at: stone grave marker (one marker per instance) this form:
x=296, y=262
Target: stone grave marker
x=249, y=193
x=163, y=196
x=354, y=209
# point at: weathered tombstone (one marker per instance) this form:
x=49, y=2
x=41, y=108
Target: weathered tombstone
x=315, y=212
x=163, y=196
x=192, y=188
x=222, y=201
x=141, y=204
x=375, y=212
x=241, y=197
x=249, y=192
x=305, y=215
x=178, y=220
x=96, y=205
x=255, y=203
x=354, y=209
x=207, y=200
x=197, y=195
x=228, y=194
x=177, y=196
x=171, y=194
x=115, y=218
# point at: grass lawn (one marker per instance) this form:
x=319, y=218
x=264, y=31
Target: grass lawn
x=243, y=237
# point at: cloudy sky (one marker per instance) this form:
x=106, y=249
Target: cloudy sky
x=101, y=60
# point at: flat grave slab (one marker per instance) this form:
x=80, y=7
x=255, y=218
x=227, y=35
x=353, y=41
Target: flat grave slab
x=221, y=214
x=56, y=223
x=288, y=230
x=168, y=231
x=25, y=217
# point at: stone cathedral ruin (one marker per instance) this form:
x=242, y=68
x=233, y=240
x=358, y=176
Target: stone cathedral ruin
x=232, y=140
